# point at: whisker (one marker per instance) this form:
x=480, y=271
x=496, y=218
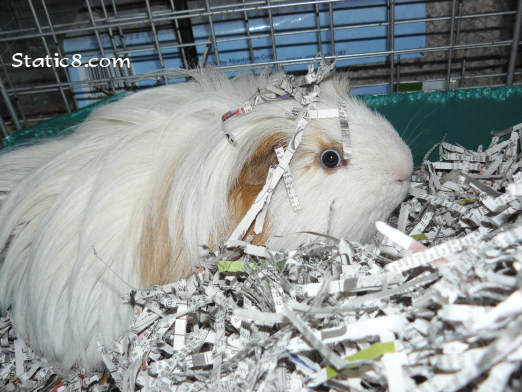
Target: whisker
x=404, y=133
x=415, y=136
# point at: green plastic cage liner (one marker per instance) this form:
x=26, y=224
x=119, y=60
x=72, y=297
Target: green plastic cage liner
x=460, y=116
x=58, y=126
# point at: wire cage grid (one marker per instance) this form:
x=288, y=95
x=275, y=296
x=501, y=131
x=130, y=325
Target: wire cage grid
x=450, y=30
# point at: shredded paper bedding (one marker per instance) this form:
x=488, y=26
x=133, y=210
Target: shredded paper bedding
x=434, y=303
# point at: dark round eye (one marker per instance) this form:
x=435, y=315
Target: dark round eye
x=331, y=158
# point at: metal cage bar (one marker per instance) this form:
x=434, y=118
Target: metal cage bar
x=51, y=87
x=54, y=36
x=318, y=33
x=10, y=107
x=213, y=34
x=44, y=42
x=12, y=91
x=3, y=128
x=514, y=45
x=127, y=71
x=451, y=42
x=332, y=31
x=396, y=70
x=272, y=34
x=17, y=34
x=156, y=40
x=178, y=36
x=391, y=39
x=249, y=39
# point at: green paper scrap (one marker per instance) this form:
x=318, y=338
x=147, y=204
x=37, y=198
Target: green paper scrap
x=233, y=266
x=467, y=201
x=419, y=237
x=368, y=354
x=237, y=266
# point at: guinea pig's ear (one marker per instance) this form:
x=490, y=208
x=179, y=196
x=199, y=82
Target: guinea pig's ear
x=255, y=169
x=251, y=179
x=337, y=85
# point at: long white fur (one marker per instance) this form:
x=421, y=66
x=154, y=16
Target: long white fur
x=70, y=202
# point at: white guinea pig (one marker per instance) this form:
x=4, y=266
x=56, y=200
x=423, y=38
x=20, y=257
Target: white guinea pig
x=144, y=182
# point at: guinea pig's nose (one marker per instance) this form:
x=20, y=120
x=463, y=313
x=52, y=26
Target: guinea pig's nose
x=402, y=172
x=403, y=180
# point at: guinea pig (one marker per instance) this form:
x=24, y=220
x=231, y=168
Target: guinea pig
x=130, y=197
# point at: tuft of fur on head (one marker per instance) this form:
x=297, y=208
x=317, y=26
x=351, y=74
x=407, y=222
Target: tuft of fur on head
x=131, y=196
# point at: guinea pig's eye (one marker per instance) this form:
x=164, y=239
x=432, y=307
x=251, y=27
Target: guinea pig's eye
x=331, y=158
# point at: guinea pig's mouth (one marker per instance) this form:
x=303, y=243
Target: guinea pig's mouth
x=402, y=180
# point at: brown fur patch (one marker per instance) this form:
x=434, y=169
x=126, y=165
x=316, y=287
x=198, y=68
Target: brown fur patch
x=250, y=182
x=161, y=261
